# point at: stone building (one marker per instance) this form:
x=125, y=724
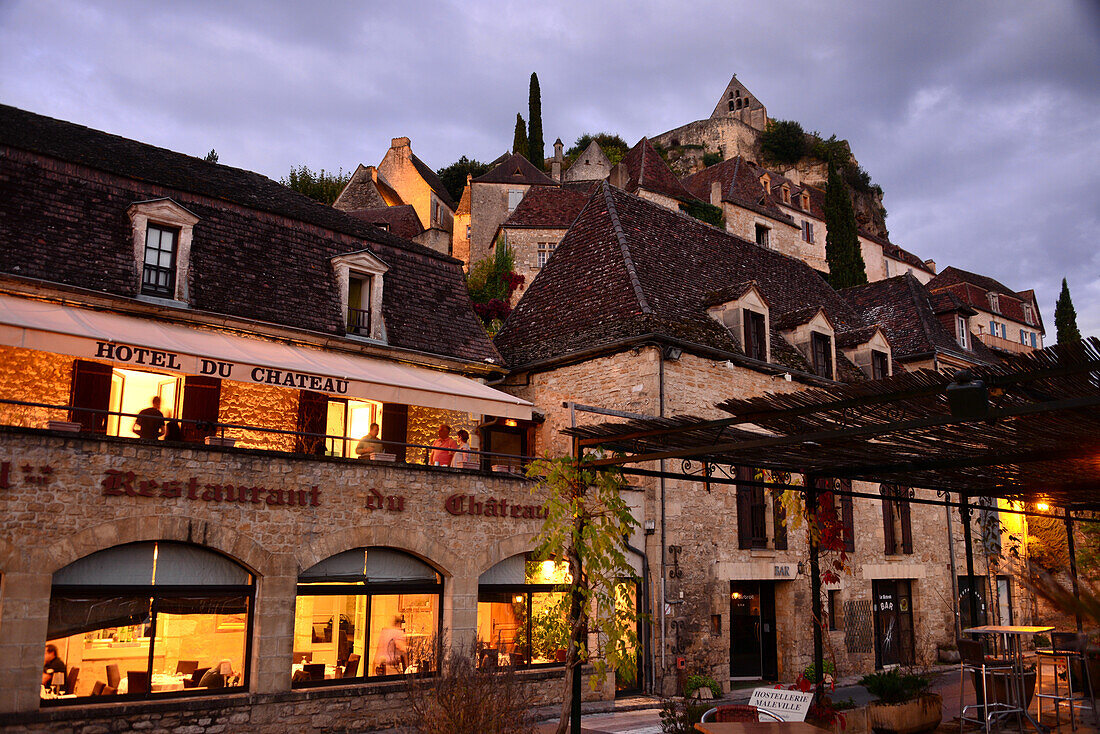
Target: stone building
x=1004, y=320
x=591, y=165
x=643, y=172
x=493, y=197
x=245, y=571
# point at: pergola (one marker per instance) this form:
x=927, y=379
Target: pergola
x=1024, y=430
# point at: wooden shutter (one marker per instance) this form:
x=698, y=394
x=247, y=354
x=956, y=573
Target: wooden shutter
x=313, y=418
x=395, y=429
x=779, y=520
x=744, y=512
x=201, y=397
x=847, y=517
x=906, y=522
x=91, y=390
x=887, y=492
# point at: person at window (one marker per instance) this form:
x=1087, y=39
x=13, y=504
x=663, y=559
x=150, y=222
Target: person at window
x=172, y=429
x=52, y=665
x=218, y=676
x=391, y=657
x=149, y=424
x=443, y=448
x=369, y=444
x=463, y=446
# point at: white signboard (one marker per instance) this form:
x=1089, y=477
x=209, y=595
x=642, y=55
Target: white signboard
x=787, y=705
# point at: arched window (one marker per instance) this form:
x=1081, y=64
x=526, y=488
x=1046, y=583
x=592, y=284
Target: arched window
x=521, y=619
x=146, y=620
x=366, y=613
x=738, y=104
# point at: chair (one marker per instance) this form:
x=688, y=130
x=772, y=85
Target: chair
x=113, y=678
x=109, y=690
x=186, y=667
x=1070, y=649
x=196, y=676
x=137, y=681
x=98, y=688
x=738, y=712
x=974, y=660
x=70, y=680
x=351, y=670
x=315, y=671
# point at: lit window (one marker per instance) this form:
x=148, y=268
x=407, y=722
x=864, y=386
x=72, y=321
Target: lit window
x=762, y=235
x=545, y=250
x=351, y=419
x=962, y=332
x=514, y=198
x=808, y=231
x=158, y=275
x=822, y=345
x=522, y=619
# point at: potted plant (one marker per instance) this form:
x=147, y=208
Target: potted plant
x=904, y=704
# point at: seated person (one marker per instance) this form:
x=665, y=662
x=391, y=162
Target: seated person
x=53, y=665
x=218, y=676
x=370, y=444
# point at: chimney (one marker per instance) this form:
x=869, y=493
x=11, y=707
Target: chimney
x=716, y=193
x=469, y=178
x=931, y=265
x=555, y=167
x=401, y=146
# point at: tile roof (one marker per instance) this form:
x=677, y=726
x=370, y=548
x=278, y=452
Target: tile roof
x=464, y=202
x=729, y=293
x=898, y=253
x=259, y=251
x=401, y=220
x=904, y=308
x=643, y=168
x=547, y=207
x=362, y=191
x=515, y=169
x=433, y=180
x=740, y=184
x=974, y=289
x=628, y=267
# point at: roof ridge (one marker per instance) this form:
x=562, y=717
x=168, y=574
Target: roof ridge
x=910, y=279
x=733, y=180
x=631, y=271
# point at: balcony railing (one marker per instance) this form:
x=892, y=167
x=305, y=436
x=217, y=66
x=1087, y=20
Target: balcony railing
x=1005, y=345
x=358, y=321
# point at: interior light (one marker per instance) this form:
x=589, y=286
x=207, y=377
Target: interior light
x=548, y=569
x=1042, y=507
x=511, y=422
x=518, y=598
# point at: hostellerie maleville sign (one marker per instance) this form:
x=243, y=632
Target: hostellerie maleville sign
x=787, y=705
x=118, y=483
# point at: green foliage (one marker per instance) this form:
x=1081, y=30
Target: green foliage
x=679, y=716
x=613, y=146
x=1065, y=317
x=519, y=140
x=842, y=250
x=212, y=156
x=587, y=524
x=491, y=283
x=704, y=213
x=810, y=673
x=695, y=681
x=710, y=159
x=784, y=141
x=535, y=144
x=550, y=628
x=320, y=186
x=454, y=175
x=894, y=686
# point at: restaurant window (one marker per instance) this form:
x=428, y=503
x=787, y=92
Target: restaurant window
x=351, y=419
x=158, y=275
x=363, y=614
x=149, y=620
x=752, y=531
x=522, y=617
x=897, y=525
x=822, y=345
x=880, y=365
x=359, y=300
x=756, y=335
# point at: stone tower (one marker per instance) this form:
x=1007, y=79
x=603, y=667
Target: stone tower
x=741, y=104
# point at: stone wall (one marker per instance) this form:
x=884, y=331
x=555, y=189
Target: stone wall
x=424, y=425
x=783, y=236
x=488, y=210
x=263, y=406
x=726, y=135
x=35, y=377
x=525, y=245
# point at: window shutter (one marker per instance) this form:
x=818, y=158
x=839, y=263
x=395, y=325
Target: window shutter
x=91, y=389
x=201, y=396
x=779, y=519
x=847, y=517
x=395, y=429
x=744, y=512
x=906, y=523
x=887, y=492
x=312, y=418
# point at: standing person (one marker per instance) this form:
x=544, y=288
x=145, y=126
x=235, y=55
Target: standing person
x=443, y=447
x=52, y=665
x=390, y=655
x=149, y=424
x=463, y=454
x=172, y=429
x=370, y=444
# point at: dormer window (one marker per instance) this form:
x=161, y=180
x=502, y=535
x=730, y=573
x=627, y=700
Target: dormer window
x=962, y=332
x=994, y=303
x=805, y=199
x=359, y=292
x=359, y=278
x=880, y=365
x=822, y=346
x=756, y=335
x=786, y=192
x=766, y=182
x=1029, y=314
x=158, y=273
x=162, y=232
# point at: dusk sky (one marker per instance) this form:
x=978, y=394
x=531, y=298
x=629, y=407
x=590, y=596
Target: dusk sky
x=980, y=120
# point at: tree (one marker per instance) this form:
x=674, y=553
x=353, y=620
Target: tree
x=842, y=250
x=320, y=186
x=586, y=525
x=783, y=141
x=613, y=146
x=212, y=156
x=454, y=175
x=1065, y=317
x=519, y=141
x=535, y=145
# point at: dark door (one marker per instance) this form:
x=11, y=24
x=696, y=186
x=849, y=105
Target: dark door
x=91, y=390
x=753, y=651
x=893, y=611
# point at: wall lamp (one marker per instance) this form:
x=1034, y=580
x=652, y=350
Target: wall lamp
x=673, y=353
x=650, y=527
x=968, y=397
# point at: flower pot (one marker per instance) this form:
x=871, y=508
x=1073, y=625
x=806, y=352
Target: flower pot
x=849, y=721
x=921, y=714
x=220, y=441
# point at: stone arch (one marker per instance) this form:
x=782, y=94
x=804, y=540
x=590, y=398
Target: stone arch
x=413, y=542
x=221, y=538
x=505, y=548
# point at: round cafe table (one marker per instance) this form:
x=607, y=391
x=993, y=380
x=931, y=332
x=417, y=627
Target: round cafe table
x=1011, y=637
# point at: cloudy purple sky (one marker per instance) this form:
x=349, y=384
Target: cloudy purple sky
x=981, y=120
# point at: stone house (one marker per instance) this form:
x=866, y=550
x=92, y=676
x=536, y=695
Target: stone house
x=417, y=184
x=1004, y=320
x=591, y=165
x=493, y=197
x=643, y=172
x=657, y=314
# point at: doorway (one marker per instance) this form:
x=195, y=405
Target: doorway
x=893, y=611
x=628, y=680
x=753, y=648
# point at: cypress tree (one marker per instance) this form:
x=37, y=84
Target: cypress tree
x=535, y=146
x=1065, y=317
x=842, y=250
x=519, y=142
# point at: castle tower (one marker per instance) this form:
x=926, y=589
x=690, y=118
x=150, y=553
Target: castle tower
x=738, y=102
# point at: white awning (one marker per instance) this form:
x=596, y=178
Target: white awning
x=138, y=342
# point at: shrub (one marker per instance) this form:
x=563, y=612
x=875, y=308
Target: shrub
x=810, y=673
x=894, y=686
x=708, y=213
x=695, y=681
x=678, y=716
x=709, y=159
x=783, y=141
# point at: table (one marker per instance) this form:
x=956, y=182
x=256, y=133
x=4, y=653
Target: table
x=761, y=727
x=1012, y=644
x=161, y=682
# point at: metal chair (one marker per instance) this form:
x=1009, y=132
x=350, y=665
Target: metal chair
x=1070, y=649
x=974, y=660
x=739, y=712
